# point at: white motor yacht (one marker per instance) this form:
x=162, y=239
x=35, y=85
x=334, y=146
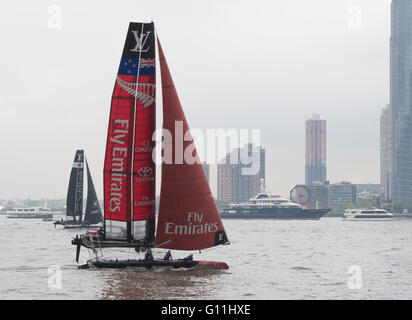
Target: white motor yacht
x=367, y=214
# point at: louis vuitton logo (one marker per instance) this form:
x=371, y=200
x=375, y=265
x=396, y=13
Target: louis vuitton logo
x=140, y=41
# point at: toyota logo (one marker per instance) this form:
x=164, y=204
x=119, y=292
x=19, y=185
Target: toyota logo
x=145, y=171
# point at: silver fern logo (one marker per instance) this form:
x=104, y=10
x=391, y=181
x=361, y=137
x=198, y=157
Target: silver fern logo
x=145, y=92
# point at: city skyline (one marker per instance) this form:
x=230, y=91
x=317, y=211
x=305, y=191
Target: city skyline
x=57, y=99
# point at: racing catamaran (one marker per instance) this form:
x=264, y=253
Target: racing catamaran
x=74, y=200
x=188, y=218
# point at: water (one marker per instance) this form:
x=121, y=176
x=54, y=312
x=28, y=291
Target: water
x=268, y=259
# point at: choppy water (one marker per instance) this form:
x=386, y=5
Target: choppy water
x=268, y=259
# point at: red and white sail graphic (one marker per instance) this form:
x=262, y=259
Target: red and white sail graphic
x=188, y=217
x=129, y=171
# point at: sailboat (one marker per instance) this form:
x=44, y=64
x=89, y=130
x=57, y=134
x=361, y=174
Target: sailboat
x=188, y=218
x=74, y=200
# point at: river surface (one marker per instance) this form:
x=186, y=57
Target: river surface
x=268, y=259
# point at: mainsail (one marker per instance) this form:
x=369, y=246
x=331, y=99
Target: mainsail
x=93, y=213
x=188, y=217
x=129, y=171
x=74, y=200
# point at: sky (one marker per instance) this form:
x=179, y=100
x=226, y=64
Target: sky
x=266, y=65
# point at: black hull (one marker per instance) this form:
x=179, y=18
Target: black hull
x=155, y=264
x=83, y=226
x=122, y=264
x=274, y=213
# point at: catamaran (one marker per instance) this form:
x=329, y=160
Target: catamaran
x=74, y=200
x=188, y=218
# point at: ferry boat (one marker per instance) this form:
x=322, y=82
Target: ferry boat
x=268, y=206
x=367, y=214
x=32, y=213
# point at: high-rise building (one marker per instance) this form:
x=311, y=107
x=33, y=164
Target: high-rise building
x=400, y=181
x=385, y=150
x=315, y=168
x=239, y=179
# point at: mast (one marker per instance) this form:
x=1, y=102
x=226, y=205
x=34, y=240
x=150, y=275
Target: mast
x=188, y=217
x=129, y=224
x=74, y=200
x=93, y=212
x=129, y=171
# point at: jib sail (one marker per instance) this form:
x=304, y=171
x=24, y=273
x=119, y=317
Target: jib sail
x=188, y=217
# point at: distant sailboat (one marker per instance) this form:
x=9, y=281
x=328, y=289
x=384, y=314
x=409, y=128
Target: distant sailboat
x=74, y=200
x=188, y=218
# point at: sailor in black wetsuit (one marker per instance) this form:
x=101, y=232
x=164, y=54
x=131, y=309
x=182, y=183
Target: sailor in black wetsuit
x=189, y=257
x=168, y=255
x=148, y=255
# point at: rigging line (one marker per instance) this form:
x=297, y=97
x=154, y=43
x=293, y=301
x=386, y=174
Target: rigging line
x=134, y=133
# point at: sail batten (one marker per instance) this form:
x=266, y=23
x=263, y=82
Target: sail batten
x=188, y=217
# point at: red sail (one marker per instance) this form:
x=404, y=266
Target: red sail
x=129, y=171
x=188, y=218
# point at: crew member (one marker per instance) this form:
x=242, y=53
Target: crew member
x=148, y=255
x=168, y=255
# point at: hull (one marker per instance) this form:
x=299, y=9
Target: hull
x=37, y=216
x=370, y=218
x=155, y=264
x=274, y=213
x=82, y=226
x=63, y=223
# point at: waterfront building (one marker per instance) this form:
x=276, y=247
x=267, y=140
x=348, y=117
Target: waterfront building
x=315, y=150
x=238, y=181
x=341, y=194
x=370, y=188
x=315, y=196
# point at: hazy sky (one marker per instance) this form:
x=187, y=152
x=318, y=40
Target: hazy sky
x=236, y=64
